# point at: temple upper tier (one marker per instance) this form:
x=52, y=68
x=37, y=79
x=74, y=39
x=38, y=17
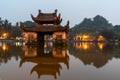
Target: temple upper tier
x=46, y=22
x=47, y=18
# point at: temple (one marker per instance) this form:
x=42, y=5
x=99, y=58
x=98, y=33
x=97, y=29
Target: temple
x=47, y=24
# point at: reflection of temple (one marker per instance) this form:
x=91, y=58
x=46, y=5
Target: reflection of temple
x=46, y=24
x=47, y=69
x=48, y=60
x=91, y=54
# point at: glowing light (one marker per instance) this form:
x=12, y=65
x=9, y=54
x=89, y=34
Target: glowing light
x=29, y=36
x=18, y=38
x=18, y=44
x=45, y=45
x=85, y=46
x=29, y=51
x=101, y=38
x=4, y=35
x=4, y=47
x=85, y=36
x=101, y=45
x=59, y=53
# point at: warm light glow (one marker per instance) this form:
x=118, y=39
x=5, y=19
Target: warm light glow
x=18, y=44
x=29, y=36
x=63, y=34
x=101, y=38
x=5, y=35
x=4, y=47
x=18, y=38
x=59, y=53
x=78, y=45
x=29, y=51
x=85, y=36
x=45, y=45
x=85, y=46
x=101, y=45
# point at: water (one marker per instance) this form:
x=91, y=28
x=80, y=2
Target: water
x=77, y=61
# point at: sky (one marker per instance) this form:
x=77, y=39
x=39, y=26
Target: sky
x=73, y=10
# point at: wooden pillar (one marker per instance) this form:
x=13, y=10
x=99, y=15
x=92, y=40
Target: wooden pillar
x=40, y=39
x=40, y=50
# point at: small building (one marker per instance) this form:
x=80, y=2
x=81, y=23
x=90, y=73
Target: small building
x=101, y=38
x=89, y=37
x=84, y=37
x=46, y=24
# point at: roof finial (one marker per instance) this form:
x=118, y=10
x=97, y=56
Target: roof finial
x=39, y=11
x=68, y=22
x=55, y=10
x=32, y=16
x=59, y=15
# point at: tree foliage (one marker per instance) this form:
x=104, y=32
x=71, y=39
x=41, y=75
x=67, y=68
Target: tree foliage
x=97, y=25
x=13, y=30
x=29, y=23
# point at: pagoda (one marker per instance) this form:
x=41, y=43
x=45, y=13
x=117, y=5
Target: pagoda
x=46, y=24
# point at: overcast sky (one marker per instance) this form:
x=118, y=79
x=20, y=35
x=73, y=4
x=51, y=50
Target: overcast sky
x=73, y=10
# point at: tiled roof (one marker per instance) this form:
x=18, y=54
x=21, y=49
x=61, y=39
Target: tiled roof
x=45, y=28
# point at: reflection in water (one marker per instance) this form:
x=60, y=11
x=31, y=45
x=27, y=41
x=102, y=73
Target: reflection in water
x=83, y=45
x=59, y=52
x=47, y=69
x=98, y=60
x=96, y=54
x=4, y=47
x=89, y=45
x=101, y=45
x=48, y=59
x=18, y=44
x=49, y=62
x=9, y=50
x=30, y=52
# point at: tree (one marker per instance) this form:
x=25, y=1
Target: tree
x=117, y=28
x=29, y=23
x=99, y=20
x=108, y=34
